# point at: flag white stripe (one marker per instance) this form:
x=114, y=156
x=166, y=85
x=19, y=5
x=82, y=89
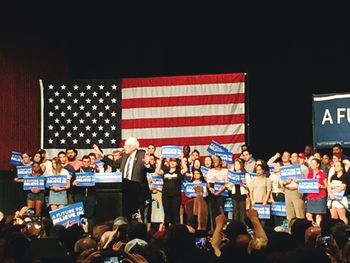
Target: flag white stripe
x=193, y=131
x=178, y=90
x=81, y=152
x=183, y=111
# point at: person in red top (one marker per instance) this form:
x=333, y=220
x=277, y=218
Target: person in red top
x=316, y=203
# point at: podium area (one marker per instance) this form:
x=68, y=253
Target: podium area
x=109, y=201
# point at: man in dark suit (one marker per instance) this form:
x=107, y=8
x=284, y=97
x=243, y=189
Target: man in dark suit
x=134, y=165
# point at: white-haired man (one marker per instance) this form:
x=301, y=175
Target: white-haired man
x=134, y=165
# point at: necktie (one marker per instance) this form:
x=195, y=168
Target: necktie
x=128, y=170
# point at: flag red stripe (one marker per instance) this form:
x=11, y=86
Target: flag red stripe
x=182, y=101
x=182, y=121
x=183, y=80
x=203, y=140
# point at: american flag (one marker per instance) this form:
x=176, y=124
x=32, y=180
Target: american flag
x=185, y=110
x=179, y=110
x=80, y=113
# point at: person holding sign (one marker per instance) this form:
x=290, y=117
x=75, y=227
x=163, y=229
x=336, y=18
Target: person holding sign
x=277, y=193
x=218, y=174
x=189, y=205
x=58, y=195
x=171, y=195
x=337, y=185
x=240, y=192
x=86, y=195
x=260, y=186
x=316, y=202
x=25, y=158
x=35, y=198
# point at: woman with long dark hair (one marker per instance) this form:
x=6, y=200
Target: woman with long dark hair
x=239, y=193
x=316, y=202
x=171, y=193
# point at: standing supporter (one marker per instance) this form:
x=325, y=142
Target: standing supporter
x=286, y=158
x=325, y=163
x=294, y=158
x=316, y=203
x=58, y=195
x=93, y=165
x=260, y=186
x=337, y=150
x=35, y=198
x=194, y=156
x=151, y=149
x=249, y=162
x=277, y=191
x=86, y=195
x=218, y=174
x=186, y=150
x=337, y=183
x=117, y=154
x=208, y=162
x=46, y=162
x=196, y=165
x=64, y=161
x=303, y=164
x=26, y=159
x=239, y=193
x=317, y=155
x=171, y=194
x=197, y=178
x=295, y=205
x=37, y=157
x=308, y=151
x=72, y=155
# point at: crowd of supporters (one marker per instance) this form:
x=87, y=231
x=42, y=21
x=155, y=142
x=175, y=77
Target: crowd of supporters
x=196, y=228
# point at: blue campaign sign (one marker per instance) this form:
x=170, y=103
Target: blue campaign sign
x=215, y=147
x=33, y=182
x=225, y=157
x=218, y=186
x=115, y=177
x=263, y=211
x=15, y=158
x=235, y=177
x=56, y=180
x=339, y=195
x=291, y=172
x=252, y=175
x=278, y=209
x=67, y=214
x=157, y=181
x=204, y=170
x=228, y=205
x=308, y=186
x=331, y=118
x=85, y=179
x=24, y=171
x=190, y=189
x=171, y=151
x=271, y=168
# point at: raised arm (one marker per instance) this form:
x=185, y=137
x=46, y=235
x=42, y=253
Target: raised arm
x=159, y=169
